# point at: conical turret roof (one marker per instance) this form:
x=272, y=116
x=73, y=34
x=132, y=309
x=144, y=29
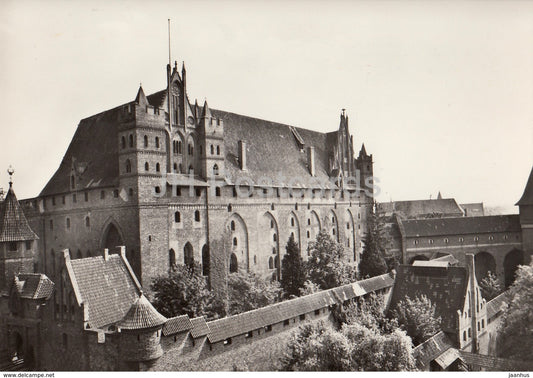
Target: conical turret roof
x=527, y=197
x=142, y=315
x=13, y=223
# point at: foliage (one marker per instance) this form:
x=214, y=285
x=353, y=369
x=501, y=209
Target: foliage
x=248, y=291
x=309, y=288
x=183, y=291
x=372, y=351
x=292, y=270
x=368, y=312
x=490, y=286
x=327, y=266
x=318, y=347
x=376, y=258
x=417, y=317
x=515, y=339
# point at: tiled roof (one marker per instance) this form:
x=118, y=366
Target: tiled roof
x=33, y=285
x=270, y=146
x=445, y=287
x=492, y=363
x=13, y=223
x=527, y=196
x=106, y=287
x=447, y=207
x=461, y=226
x=495, y=305
x=95, y=147
x=473, y=209
x=157, y=99
x=222, y=329
x=177, y=324
x=199, y=327
x=432, y=348
x=142, y=315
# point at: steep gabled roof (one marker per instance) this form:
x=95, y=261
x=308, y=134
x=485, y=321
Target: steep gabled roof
x=527, y=196
x=446, y=207
x=444, y=286
x=106, y=287
x=461, y=226
x=273, y=149
x=95, y=145
x=141, y=315
x=33, y=285
x=13, y=223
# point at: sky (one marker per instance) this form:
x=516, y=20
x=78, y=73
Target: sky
x=440, y=92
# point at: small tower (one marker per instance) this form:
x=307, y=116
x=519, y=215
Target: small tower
x=212, y=133
x=17, y=239
x=364, y=166
x=140, y=334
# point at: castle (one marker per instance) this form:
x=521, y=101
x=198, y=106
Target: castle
x=176, y=182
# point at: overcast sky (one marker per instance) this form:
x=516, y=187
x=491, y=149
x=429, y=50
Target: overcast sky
x=441, y=93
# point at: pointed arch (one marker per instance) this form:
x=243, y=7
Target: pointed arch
x=332, y=224
x=233, y=264
x=294, y=227
x=188, y=255
x=112, y=235
x=268, y=238
x=351, y=234
x=171, y=258
x=241, y=250
x=206, y=260
x=484, y=262
x=510, y=265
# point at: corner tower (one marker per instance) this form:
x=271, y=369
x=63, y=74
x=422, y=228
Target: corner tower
x=17, y=239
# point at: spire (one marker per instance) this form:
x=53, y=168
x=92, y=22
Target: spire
x=206, y=113
x=13, y=223
x=10, y=172
x=184, y=78
x=439, y=196
x=141, y=97
x=363, y=153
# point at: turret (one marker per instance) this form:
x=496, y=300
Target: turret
x=140, y=334
x=364, y=166
x=212, y=132
x=17, y=239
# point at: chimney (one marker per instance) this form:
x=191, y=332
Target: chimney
x=242, y=155
x=106, y=254
x=474, y=299
x=311, y=160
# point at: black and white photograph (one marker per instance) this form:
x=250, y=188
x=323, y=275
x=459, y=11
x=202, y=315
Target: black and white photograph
x=266, y=186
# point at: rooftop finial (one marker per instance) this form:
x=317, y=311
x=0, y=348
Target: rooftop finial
x=343, y=111
x=10, y=172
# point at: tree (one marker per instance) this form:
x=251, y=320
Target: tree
x=490, y=286
x=309, y=288
x=327, y=266
x=373, y=351
x=183, y=291
x=417, y=317
x=248, y=291
x=377, y=258
x=368, y=312
x=292, y=270
x=515, y=337
x=316, y=347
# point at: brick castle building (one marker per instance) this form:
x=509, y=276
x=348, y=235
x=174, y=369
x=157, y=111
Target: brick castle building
x=176, y=182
